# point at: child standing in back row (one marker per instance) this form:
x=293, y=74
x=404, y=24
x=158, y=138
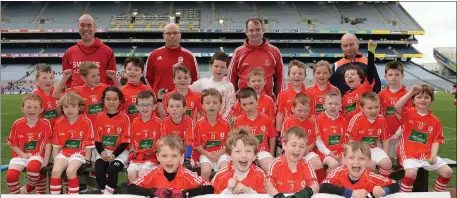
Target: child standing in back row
x=218, y=66
x=388, y=97
x=45, y=89
x=321, y=72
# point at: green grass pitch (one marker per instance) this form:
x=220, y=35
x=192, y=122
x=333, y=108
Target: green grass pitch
x=442, y=107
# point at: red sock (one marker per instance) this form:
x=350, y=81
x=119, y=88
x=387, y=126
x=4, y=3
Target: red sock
x=12, y=180
x=56, y=185
x=321, y=174
x=407, y=184
x=384, y=172
x=73, y=186
x=441, y=184
x=33, y=173
x=41, y=184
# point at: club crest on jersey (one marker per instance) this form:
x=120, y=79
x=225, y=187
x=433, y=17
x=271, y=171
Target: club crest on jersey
x=267, y=63
x=263, y=128
x=303, y=184
x=180, y=59
x=430, y=129
x=94, y=98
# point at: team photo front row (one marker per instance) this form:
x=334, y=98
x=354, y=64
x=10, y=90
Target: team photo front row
x=310, y=140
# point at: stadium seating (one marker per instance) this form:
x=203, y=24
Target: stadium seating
x=103, y=12
x=20, y=14
x=280, y=15
x=14, y=72
x=63, y=14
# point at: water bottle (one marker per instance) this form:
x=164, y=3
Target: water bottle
x=4, y=167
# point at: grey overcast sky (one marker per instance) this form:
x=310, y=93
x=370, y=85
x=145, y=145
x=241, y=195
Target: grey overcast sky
x=438, y=19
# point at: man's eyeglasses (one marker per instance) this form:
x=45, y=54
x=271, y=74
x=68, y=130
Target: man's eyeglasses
x=171, y=33
x=145, y=105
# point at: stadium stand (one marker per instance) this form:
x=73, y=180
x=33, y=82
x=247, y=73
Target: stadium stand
x=104, y=11
x=63, y=14
x=322, y=21
x=20, y=15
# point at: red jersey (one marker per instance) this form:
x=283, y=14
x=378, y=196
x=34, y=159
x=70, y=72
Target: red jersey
x=419, y=133
x=184, y=179
x=285, y=100
x=255, y=179
x=92, y=98
x=211, y=138
x=31, y=140
x=332, y=131
x=286, y=181
x=318, y=96
x=98, y=53
x=144, y=138
x=261, y=127
x=388, y=99
x=307, y=125
x=73, y=138
x=111, y=132
x=184, y=129
x=361, y=129
x=368, y=180
x=351, y=99
x=265, y=105
x=193, y=103
x=130, y=91
x=49, y=104
x=247, y=57
x=159, y=67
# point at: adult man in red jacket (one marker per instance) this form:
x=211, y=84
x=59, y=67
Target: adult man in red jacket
x=257, y=52
x=88, y=49
x=160, y=63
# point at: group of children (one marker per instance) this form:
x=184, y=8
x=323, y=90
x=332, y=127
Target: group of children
x=329, y=143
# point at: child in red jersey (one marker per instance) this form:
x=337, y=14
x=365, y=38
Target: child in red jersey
x=145, y=130
x=241, y=176
x=421, y=139
x=72, y=143
x=259, y=124
x=290, y=173
x=331, y=129
x=359, y=83
x=210, y=134
x=370, y=127
x=92, y=89
x=170, y=179
x=134, y=68
x=181, y=125
x=256, y=80
x=45, y=89
x=30, y=142
x=112, y=137
x=388, y=97
x=354, y=179
x=182, y=78
x=321, y=72
x=301, y=119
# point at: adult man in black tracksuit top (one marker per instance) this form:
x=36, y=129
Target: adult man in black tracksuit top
x=350, y=47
